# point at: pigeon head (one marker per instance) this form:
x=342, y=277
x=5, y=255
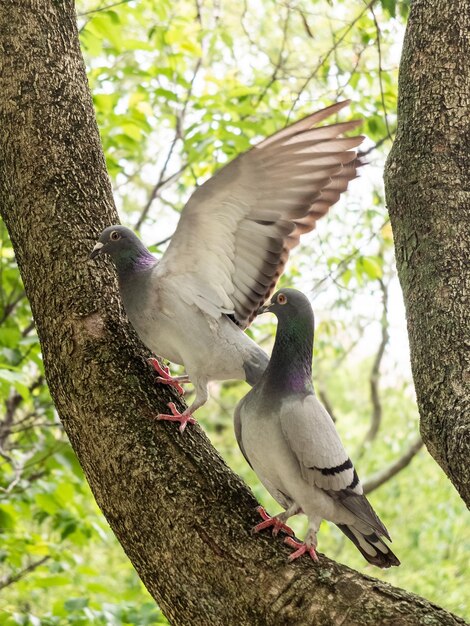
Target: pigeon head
x=289, y=304
x=125, y=249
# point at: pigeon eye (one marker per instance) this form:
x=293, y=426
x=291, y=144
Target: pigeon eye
x=115, y=235
x=282, y=299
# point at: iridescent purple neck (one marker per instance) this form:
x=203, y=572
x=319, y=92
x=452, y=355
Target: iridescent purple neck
x=300, y=379
x=136, y=259
x=144, y=262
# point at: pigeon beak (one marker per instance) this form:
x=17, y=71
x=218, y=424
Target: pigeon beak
x=265, y=308
x=96, y=250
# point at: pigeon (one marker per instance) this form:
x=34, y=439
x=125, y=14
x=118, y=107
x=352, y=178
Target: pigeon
x=228, y=251
x=290, y=441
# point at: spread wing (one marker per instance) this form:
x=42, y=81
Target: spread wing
x=312, y=437
x=236, y=231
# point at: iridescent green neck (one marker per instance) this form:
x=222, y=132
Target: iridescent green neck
x=290, y=367
x=133, y=260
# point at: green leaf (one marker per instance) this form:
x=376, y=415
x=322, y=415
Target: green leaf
x=372, y=267
x=9, y=336
x=7, y=518
x=74, y=604
x=103, y=26
x=389, y=6
x=105, y=102
x=47, y=503
x=346, y=277
x=57, y=580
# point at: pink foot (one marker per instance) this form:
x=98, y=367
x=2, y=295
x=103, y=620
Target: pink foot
x=183, y=418
x=301, y=548
x=271, y=521
x=165, y=377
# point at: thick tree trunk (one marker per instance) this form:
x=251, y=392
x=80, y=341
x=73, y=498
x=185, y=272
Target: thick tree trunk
x=427, y=186
x=182, y=516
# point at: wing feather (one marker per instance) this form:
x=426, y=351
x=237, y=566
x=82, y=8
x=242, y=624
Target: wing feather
x=312, y=436
x=236, y=231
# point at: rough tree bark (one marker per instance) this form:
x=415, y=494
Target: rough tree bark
x=181, y=515
x=427, y=186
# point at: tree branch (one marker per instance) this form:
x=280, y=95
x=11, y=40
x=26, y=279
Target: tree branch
x=103, y=8
x=376, y=415
x=10, y=580
x=10, y=306
x=280, y=60
x=361, y=154
x=392, y=470
x=327, y=55
x=323, y=395
x=342, y=265
x=179, y=122
x=380, y=70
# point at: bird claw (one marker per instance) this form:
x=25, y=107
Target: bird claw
x=183, y=418
x=300, y=549
x=269, y=521
x=165, y=377
x=172, y=383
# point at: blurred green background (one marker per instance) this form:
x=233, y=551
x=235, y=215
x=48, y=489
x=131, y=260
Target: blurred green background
x=179, y=89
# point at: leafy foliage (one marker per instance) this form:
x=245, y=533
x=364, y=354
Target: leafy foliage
x=179, y=89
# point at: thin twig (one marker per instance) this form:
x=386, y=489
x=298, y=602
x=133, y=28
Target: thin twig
x=363, y=153
x=379, y=53
x=10, y=306
x=280, y=60
x=178, y=135
x=327, y=55
x=158, y=185
x=11, y=404
x=105, y=8
x=342, y=264
x=323, y=395
x=376, y=416
x=25, y=332
x=10, y=580
x=246, y=12
x=392, y=470
x=303, y=17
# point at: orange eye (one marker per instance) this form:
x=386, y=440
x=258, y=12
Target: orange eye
x=281, y=299
x=115, y=235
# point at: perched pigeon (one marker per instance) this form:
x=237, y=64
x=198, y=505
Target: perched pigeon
x=229, y=249
x=291, y=443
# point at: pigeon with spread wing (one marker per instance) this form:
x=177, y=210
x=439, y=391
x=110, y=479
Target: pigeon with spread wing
x=228, y=251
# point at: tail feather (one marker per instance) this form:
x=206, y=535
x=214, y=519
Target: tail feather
x=361, y=507
x=372, y=548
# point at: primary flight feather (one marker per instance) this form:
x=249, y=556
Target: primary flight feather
x=228, y=251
